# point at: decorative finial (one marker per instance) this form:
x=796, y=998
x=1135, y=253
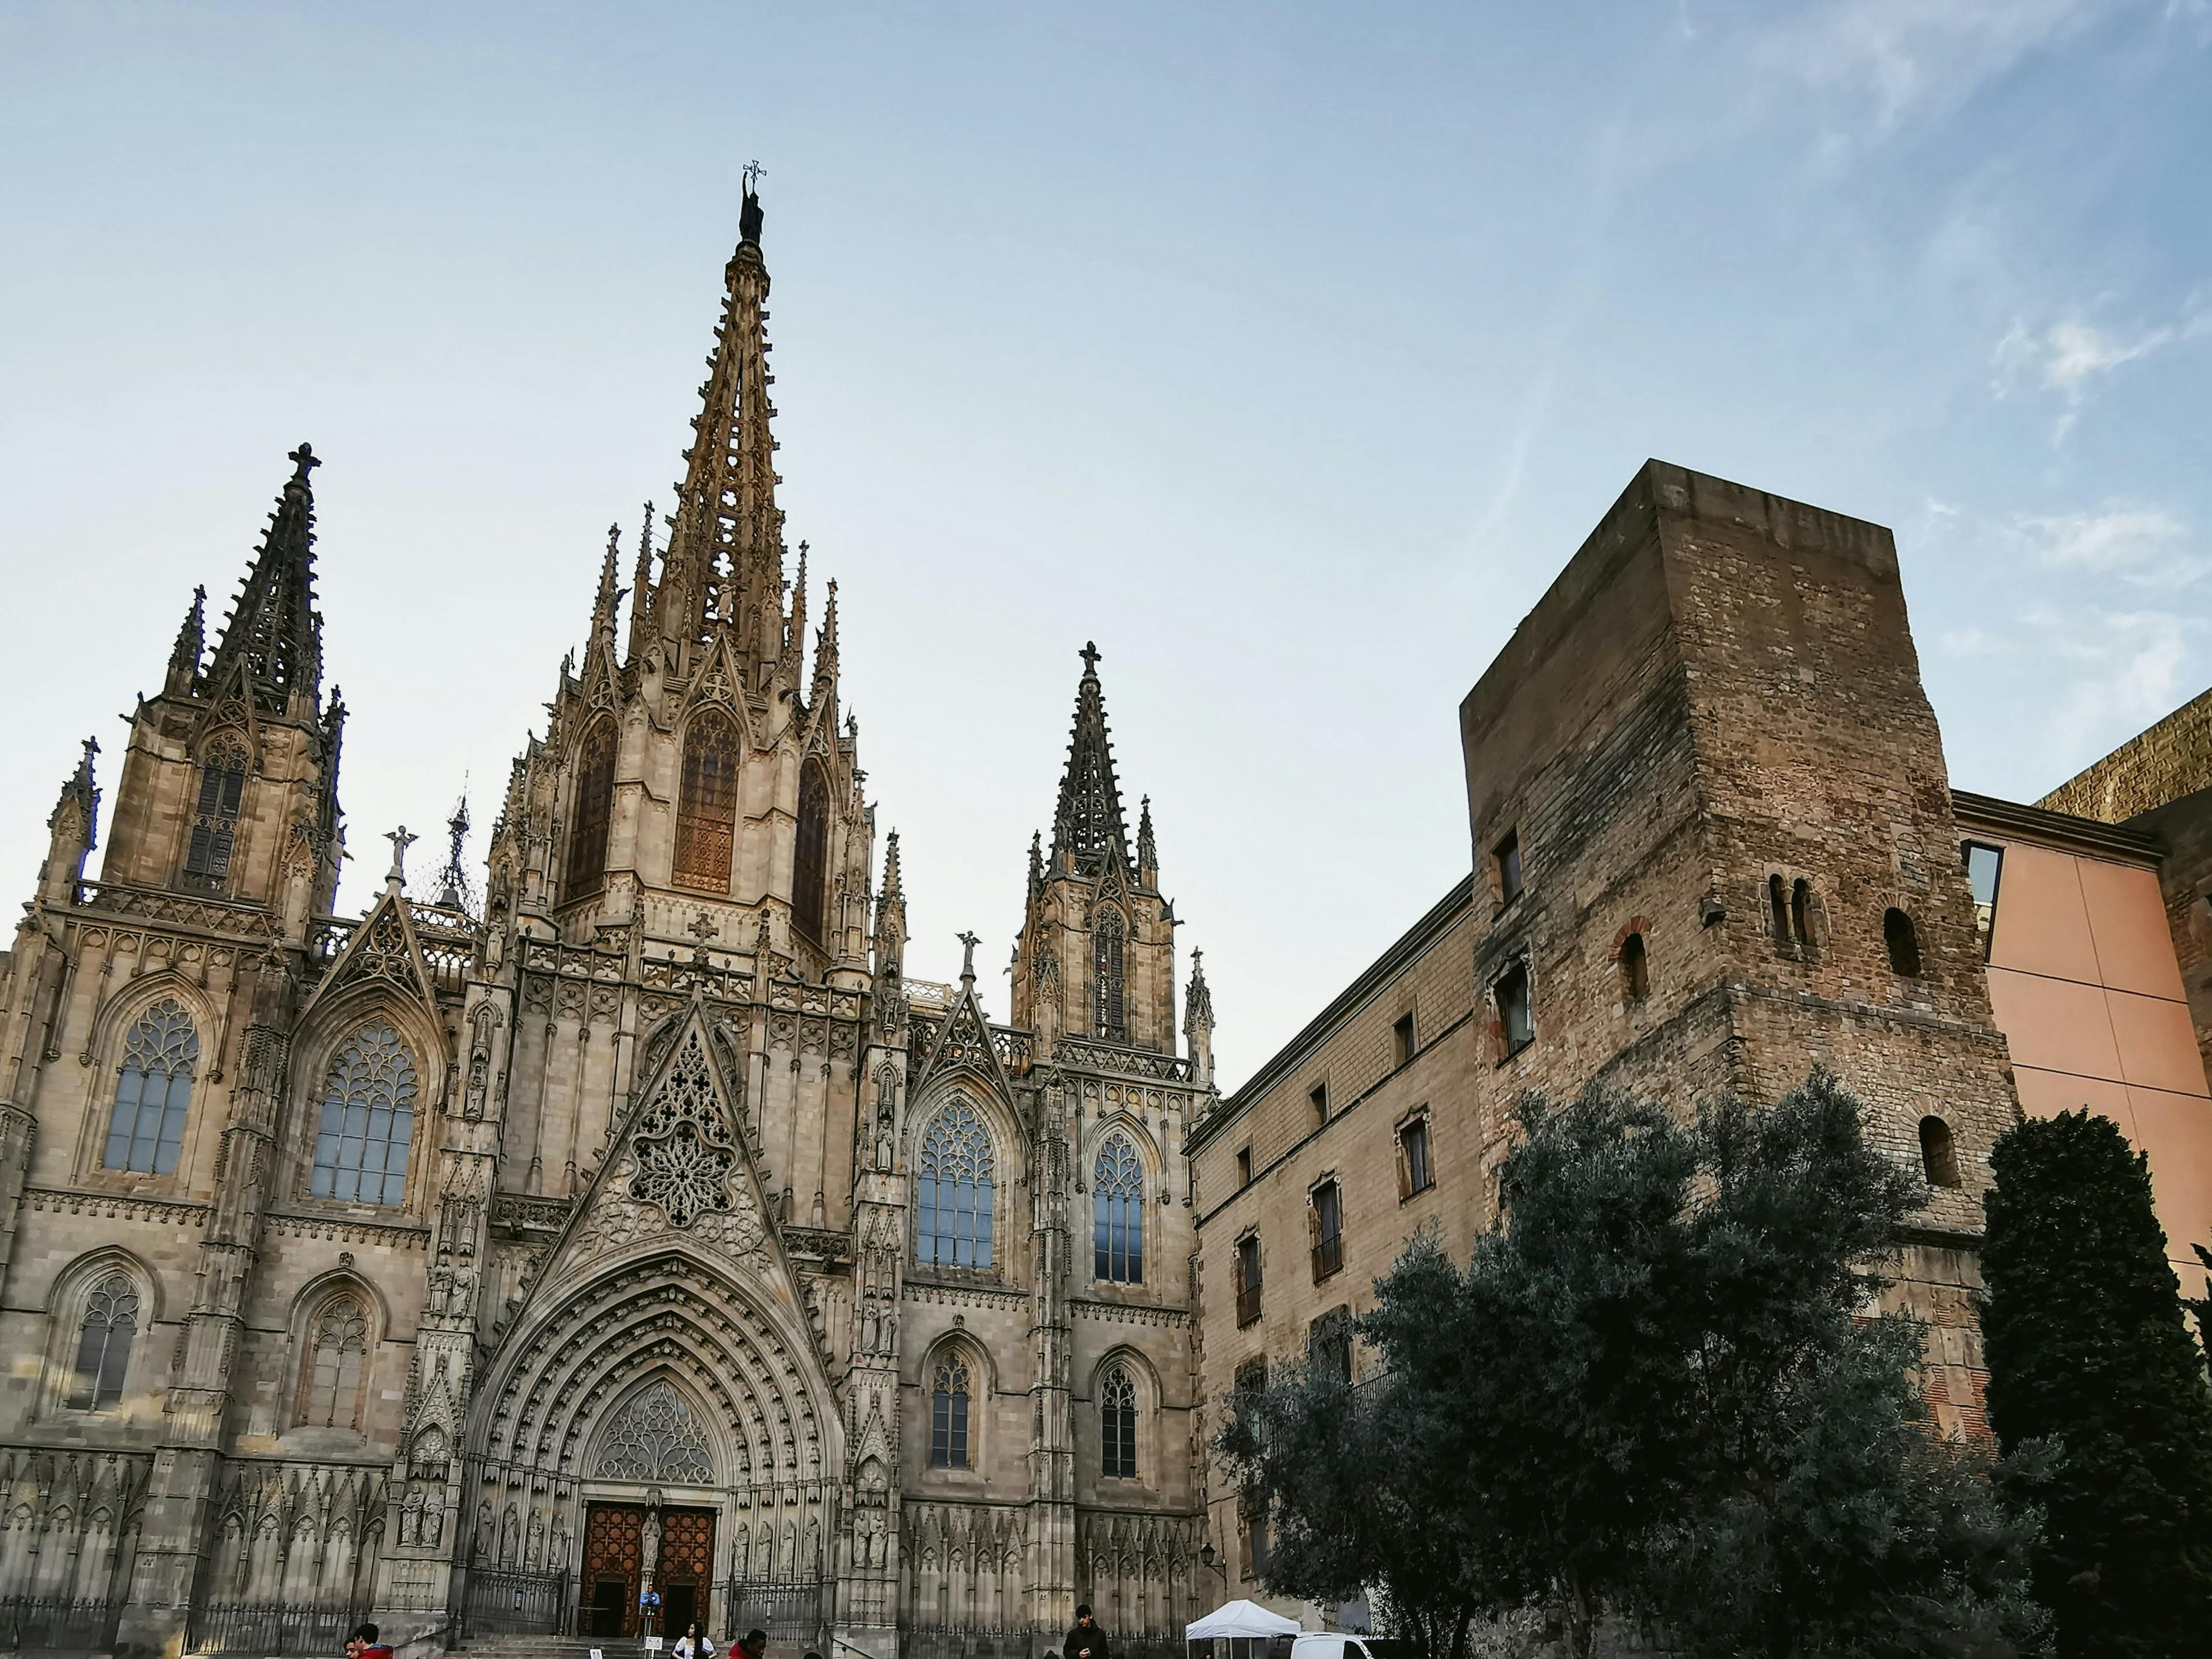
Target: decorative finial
x=395, y=876
x=749, y=215
x=304, y=461
x=702, y=930
x=968, y=942
x=1089, y=653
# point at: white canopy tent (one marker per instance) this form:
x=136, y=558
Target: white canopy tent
x=1246, y=1622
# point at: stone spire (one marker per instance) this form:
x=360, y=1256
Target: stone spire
x=609, y=596
x=794, y=633
x=272, y=640
x=70, y=831
x=725, y=557
x=825, y=647
x=191, y=646
x=1088, y=825
x=641, y=604
x=1198, y=1019
x=1148, y=856
x=891, y=916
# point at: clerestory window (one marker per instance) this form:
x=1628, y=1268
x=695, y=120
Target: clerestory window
x=954, y=1190
x=368, y=1124
x=215, y=820
x=153, y=1091
x=103, y=1346
x=1117, y=1181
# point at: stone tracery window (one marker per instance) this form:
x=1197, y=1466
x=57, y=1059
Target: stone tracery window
x=707, y=805
x=656, y=1438
x=955, y=1188
x=368, y=1119
x=948, y=1415
x=809, y=866
x=589, y=813
x=337, y=1361
x=215, y=820
x=1117, y=1182
x=1117, y=1424
x=103, y=1345
x=1110, y=1012
x=682, y=1145
x=146, y=1126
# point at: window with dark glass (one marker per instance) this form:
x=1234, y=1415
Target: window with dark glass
x=1244, y=1168
x=707, y=804
x=1109, y=1019
x=1327, y=1208
x=948, y=1415
x=1984, y=867
x=1507, y=859
x=1248, y=1279
x=337, y=1357
x=1117, y=1424
x=1516, y=1024
x=153, y=1091
x=809, y=869
x=1414, y=1174
x=1903, y=942
x=1117, y=1181
x=103, y=1345
x=1318, y=1095
x=1401, y=1041
x=215, y=819
x=367, y=1125
x=589, y=810
x=955, y=1189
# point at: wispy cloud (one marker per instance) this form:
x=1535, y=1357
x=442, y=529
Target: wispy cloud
x=2146, y=546
x=1886, y=61
x=2070, y=355
x=2125, y=673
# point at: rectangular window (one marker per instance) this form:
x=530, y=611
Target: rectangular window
x=1244, y=1168
x=1329, y=1231
x=1984, y=867
x=1516, y=1024
x=1319, y=1096
x=1247, y=1279
x=1413, y=1171
x=1401, y=1041
x=1507, y=857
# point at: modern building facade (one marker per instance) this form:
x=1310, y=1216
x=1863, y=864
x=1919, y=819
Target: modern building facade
x=1713, y=841
x=483, y=1264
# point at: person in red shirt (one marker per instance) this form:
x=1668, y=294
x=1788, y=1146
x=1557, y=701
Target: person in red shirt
x=363, y=1645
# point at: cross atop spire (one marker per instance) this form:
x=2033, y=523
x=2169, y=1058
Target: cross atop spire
x=1088, y=823
x=273, y=636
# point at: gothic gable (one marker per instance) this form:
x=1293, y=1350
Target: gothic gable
x=383, y=950
x=963, y=1043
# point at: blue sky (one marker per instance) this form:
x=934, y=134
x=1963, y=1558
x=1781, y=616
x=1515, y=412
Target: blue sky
x=1286, y=351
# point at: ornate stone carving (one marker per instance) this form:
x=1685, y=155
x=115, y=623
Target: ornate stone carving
x=654, y=1437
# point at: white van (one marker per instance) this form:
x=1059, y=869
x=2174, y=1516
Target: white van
x=1334, y=1644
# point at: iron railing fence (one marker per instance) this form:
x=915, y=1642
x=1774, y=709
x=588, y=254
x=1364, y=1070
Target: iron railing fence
x=789, y=1609
x=57, y=1621
x=269, y=1630
x=504, y=1601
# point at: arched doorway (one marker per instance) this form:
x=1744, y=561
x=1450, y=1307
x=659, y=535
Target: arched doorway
x=648, y=1562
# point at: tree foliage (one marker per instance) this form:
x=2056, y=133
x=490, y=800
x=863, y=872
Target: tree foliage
x=1651, y=1392
x=2086, y=1345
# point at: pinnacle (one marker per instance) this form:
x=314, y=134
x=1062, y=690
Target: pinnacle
x=1087, y=823
x=273, y=636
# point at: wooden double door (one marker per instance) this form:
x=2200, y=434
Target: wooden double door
x=614, y=1570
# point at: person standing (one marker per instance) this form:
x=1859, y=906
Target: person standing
x=1084, y=1639
x=694, y=1644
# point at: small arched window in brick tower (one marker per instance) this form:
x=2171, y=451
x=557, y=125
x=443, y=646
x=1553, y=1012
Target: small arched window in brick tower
x=809, y=862
x=1903, y=943
x=1939, y=1154
x=1635, y=968
x=1777, y=903
x=1803, y=919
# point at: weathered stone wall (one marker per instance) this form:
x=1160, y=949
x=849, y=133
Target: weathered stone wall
x=2173, y=758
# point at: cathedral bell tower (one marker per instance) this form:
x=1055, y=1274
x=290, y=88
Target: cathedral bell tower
x=1096, y=958
x=229, y=785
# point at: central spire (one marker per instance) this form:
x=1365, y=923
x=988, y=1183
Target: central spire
x=725, y=557
x=273, y=638
x=1088, y=825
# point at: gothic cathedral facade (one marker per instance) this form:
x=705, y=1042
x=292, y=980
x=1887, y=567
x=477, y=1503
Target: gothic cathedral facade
x=482, y=1262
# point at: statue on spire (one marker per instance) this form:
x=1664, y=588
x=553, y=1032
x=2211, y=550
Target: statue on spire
x=749, y=215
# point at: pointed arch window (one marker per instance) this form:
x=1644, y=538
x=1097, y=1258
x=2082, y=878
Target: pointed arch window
x=707, y=805
x=1110, y=1019
x=948, y=1415
x=215, y=820
x=368, y=1119
x=153, y=1091
x=337, y=1363
x=1117, y=1424
x=809, y=863
x=586, y=867
x=1117, y=1188
x=955, y=1189
x=103, y=1345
